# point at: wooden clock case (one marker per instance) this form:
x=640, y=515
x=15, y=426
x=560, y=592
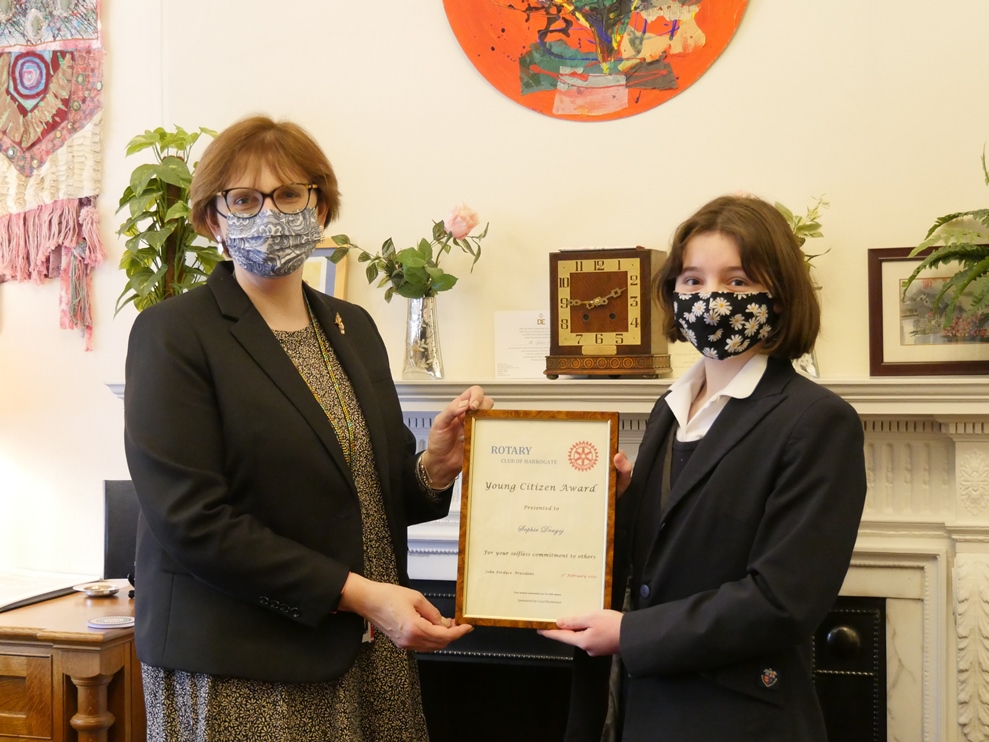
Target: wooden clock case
x=604, y=314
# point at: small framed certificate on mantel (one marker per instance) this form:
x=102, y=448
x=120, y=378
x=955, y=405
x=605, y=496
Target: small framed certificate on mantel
x=537, y=516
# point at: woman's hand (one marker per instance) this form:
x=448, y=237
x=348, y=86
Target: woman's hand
x=444, y=455
x=597, y=633
x=404, y=615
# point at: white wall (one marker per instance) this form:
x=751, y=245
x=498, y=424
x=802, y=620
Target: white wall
x=879, y=106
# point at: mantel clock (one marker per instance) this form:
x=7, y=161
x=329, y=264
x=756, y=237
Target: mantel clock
x=604, y=313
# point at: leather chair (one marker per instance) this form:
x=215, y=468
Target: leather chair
x=120, y=512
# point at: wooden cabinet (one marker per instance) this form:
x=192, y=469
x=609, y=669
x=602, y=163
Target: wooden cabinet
x=62, y=681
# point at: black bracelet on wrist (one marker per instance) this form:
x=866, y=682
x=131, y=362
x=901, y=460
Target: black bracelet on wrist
x=425, y=482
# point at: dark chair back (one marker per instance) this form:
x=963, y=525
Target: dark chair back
x=121, y=512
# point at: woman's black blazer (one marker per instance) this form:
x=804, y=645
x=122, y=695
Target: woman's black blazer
x=751, y=551
x=250, y=518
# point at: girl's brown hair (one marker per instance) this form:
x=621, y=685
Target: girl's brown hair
x=251, y=143
x=770, y=255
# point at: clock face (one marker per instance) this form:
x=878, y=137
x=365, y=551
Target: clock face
x=599, y=303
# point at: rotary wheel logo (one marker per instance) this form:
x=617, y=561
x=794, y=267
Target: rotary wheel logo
x=583, y=456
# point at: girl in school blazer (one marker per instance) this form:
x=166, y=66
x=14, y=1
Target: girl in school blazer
x=738, y=522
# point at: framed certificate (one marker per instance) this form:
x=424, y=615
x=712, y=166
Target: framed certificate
x=537, y=516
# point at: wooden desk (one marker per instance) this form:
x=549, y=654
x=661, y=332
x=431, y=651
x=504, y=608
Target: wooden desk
x=62, y=681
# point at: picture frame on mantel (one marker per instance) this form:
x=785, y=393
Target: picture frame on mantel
x=323, y=274
x=903, y=338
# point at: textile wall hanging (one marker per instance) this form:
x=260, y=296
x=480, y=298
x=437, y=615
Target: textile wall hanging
x=51, y=110
x=593, y=60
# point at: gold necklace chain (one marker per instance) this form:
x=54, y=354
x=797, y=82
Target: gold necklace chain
x=346, y=439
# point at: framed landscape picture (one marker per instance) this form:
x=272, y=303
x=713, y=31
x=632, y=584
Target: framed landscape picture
x=907, y=337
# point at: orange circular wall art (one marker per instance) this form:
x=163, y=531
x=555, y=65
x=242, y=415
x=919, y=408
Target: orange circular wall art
x=593, y=60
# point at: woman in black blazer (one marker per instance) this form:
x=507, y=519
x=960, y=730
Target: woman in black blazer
x=737, y=526
x=276, y=478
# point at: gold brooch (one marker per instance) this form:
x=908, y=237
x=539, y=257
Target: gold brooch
x=340, y=324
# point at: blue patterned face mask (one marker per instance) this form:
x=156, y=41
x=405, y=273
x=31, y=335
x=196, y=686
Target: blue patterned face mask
x=723, y=323
x=272, y=243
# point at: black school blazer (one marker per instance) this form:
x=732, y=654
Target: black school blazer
x=752, y=550
x=250, y=518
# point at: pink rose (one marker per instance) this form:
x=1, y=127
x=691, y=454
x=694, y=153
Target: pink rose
x=460, y=221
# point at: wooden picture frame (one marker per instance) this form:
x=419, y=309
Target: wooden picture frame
x=537, y=516
x=324, y=275
x=895, y=324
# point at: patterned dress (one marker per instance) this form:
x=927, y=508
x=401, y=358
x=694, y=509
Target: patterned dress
x=377, y=700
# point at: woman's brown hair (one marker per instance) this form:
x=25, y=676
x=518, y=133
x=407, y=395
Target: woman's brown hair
x=770, y=255
x=286, y=148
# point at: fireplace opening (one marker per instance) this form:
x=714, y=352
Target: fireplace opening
x=500, y=684
x=850, y=669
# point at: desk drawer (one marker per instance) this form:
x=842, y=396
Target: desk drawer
x=25, y=696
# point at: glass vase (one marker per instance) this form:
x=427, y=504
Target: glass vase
x=423, y=359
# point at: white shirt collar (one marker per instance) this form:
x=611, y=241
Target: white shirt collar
x=685, y=389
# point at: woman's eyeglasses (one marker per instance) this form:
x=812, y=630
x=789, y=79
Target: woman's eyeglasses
x=288, y=199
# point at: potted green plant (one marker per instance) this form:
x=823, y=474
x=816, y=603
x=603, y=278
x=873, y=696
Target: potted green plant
x=959, y=239
x=163, y=256
x=806, y=227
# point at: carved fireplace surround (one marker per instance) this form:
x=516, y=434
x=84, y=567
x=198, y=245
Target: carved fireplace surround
x=923, y=544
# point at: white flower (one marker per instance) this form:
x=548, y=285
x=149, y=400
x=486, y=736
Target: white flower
x=720, y=306
x=759, y=311
x=737, y=322
x=751, y=327
x=697, y=310
x=689, y=334
x=716, y=336
x=710, y=353
x=710, y=319
x=735, y=344
x=764, y=332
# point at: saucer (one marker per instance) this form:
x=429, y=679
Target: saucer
x=111, y=622
x=98, y=589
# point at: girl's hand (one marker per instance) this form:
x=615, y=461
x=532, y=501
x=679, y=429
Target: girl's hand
x=444, y=455
x=404, y=615
x=597, y=633
x=624, y=467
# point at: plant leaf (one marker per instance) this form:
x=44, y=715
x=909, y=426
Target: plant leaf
x=175, y=170
x=178, y=210
x=410, y=257
x=444, y=282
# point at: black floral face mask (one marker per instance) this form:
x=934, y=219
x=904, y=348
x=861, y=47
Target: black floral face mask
x=721, y=324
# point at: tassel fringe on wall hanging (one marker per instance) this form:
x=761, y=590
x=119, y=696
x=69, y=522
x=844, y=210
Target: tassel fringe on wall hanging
x=51, y=153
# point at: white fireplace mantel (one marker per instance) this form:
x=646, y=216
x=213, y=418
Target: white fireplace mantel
x=887, y=396
x=941, y=396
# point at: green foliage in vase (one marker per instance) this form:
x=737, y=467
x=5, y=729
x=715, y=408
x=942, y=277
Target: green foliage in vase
x=960, y=239
x=414, y=272
x=163, y=255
